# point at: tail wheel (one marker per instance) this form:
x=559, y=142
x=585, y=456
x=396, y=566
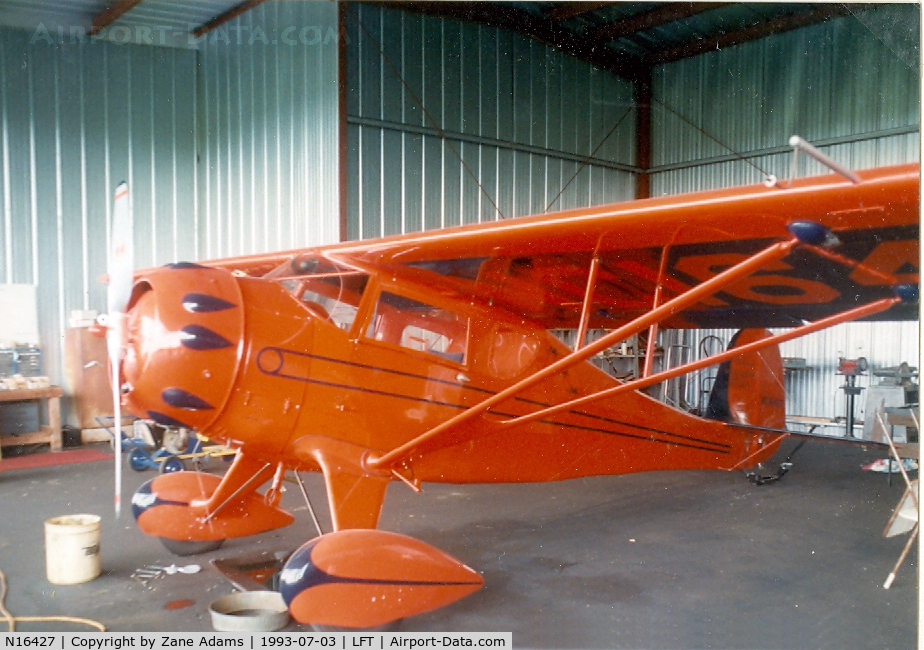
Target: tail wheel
x=184, y=547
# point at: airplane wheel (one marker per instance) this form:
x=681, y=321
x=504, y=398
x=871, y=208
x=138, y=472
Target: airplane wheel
x=184, y=547
x=138, y=460
x=171, y=464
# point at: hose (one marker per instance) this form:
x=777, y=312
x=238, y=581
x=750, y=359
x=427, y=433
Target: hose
x=12, y=620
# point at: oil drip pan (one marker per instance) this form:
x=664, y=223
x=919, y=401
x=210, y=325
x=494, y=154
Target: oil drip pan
x=249, y=611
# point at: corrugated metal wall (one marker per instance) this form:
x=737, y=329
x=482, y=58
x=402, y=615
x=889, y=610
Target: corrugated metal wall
x=838, y=84
x=268, y=130
x=816, y=390
x=519, y=115
x=849, y=86
x=79, y=115
x=76, y=119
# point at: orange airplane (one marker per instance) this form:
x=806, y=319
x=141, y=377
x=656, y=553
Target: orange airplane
x=429, y=357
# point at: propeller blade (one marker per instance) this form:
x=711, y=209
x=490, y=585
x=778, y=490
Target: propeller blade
x=121, y=252
x=113, y=338
x=121, y=265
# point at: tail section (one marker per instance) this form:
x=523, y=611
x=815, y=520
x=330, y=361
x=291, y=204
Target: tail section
x=749, y=389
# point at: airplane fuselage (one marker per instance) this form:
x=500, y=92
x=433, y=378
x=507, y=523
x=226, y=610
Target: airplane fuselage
x=262, y=364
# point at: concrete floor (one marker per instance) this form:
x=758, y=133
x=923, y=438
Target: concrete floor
x=658, y=560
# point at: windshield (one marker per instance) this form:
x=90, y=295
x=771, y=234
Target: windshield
x=327, y=290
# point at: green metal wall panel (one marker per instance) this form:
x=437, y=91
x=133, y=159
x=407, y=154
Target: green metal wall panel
x=268, y=130
x=76, y=119
x=230, y=149
x=519, y=118
x=849, y=85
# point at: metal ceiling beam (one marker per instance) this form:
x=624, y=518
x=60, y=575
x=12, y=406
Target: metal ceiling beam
x=663, y=15
x=819, y=14
x=111, y=14
x=505, y=16
x=569, y=10
x=221, y=19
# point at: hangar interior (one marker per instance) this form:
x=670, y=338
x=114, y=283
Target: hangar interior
x=244, y=128
x=450, y=119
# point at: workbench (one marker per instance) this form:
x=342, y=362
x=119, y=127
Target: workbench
x=51, y=432
x=814, y=423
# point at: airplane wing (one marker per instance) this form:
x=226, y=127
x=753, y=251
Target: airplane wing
x=538, y=267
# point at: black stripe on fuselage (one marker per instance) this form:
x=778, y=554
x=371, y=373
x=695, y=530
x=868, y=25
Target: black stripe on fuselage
x=679, y=440
x=603, y=418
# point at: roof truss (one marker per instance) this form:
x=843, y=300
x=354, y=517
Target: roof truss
x=582, y=30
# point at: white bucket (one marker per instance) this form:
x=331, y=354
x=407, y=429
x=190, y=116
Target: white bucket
x=72, y=549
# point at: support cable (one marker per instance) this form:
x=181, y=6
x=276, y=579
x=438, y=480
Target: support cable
x=703, y=131
x=420, y=105
x=589, y=158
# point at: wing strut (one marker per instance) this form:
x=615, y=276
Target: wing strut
x=806, y=234
x=588, y=299
x=851, y=314
x=653, y=330
x=770, y=254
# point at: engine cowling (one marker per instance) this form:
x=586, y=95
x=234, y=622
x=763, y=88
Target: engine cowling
x=185, y=326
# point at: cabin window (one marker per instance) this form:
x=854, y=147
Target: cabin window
x=334, y=299
x=329, y=292
x=419, y=326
